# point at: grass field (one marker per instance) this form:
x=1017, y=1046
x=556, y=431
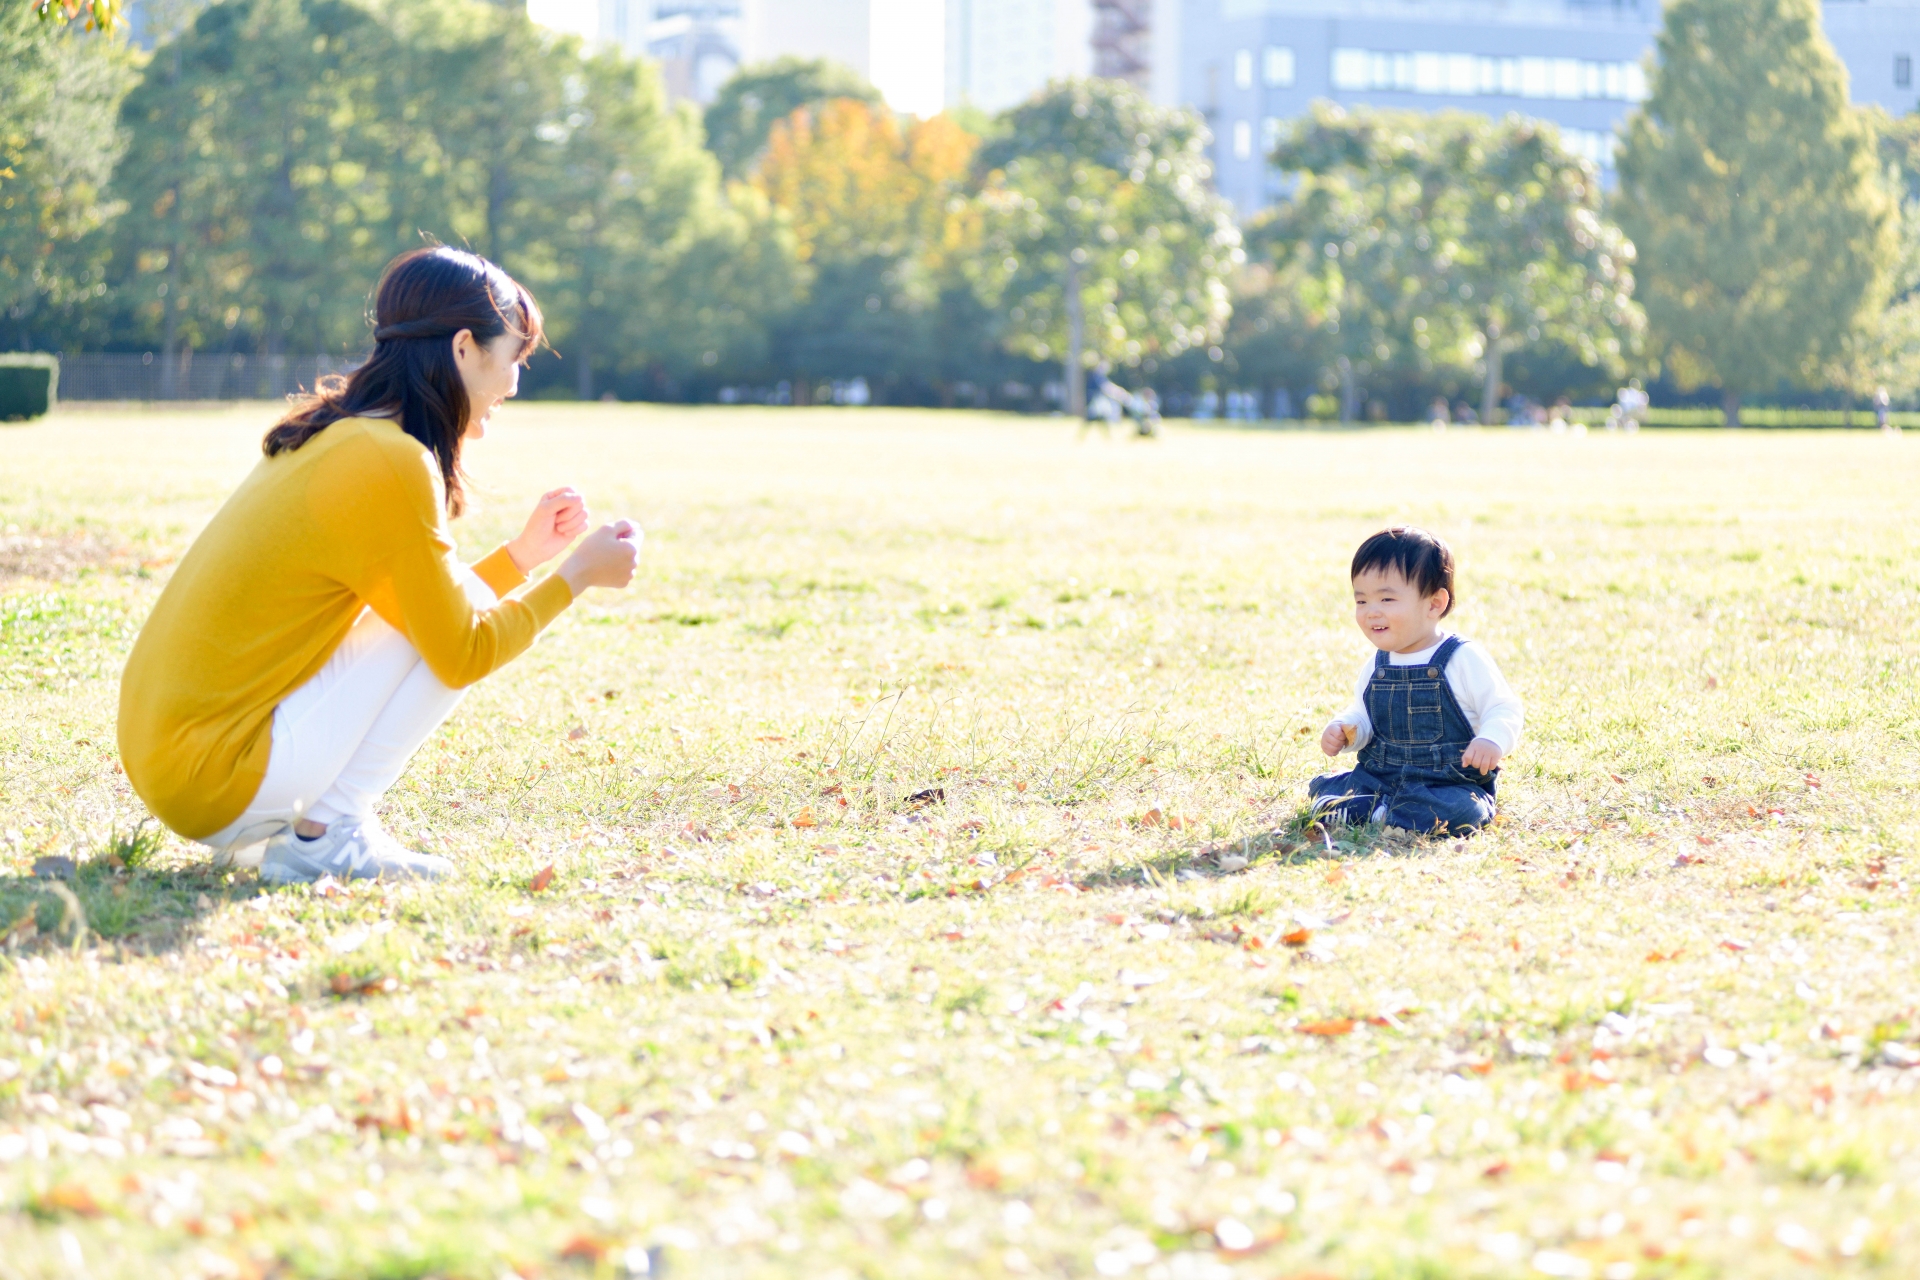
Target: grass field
x=771, y=1015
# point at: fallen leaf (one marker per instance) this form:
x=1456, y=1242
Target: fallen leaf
x=1151, y=818
x=1617, y=778
x=1297, y=937
x=1327, y=1027
x=1495, y=1170
x=68, y=1197
x=1661, y=957
x=1730, y=944
x=585, y=1248
x=1337, y=876
x=541, y=879
x=921, y=799
x=804, y=818
x=576, y=733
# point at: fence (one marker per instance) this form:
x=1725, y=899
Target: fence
x=192, y=376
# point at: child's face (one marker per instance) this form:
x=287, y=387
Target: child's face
x=1392, y=612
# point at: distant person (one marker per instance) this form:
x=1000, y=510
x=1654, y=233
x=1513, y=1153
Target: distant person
x=1883, y=412
x=1438, y=415
x=320, y=628
x=1466, y=415
x=1432, y=717
x=1630, y=405
x=1145, y=410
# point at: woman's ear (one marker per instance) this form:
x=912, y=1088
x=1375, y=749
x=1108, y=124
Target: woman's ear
x=465, y=348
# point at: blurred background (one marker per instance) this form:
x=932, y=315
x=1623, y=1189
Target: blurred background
x=1517, y=211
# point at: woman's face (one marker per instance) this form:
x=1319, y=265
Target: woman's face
x=491, y=371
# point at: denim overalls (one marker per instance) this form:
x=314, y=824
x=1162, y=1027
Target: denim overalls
x=1411, y=765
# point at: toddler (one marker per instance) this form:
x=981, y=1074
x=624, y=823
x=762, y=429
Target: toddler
x=1431, y=715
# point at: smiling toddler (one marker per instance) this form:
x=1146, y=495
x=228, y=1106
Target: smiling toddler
x=1432, y=717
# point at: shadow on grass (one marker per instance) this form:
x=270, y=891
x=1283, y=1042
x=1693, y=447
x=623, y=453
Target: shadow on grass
x=147, y=910
x=1301, y=840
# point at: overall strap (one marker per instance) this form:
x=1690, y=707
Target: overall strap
x=1445, y=652
x=1380, y=661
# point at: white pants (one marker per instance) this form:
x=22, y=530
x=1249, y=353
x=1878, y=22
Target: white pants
x=344, y=737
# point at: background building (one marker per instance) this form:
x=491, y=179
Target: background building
x=1000, y=52
x=1246, y=64
x=1250, y=64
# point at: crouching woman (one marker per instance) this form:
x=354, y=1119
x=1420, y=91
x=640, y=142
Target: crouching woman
x=320, y=628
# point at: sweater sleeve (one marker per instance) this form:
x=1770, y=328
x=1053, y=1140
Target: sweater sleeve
x=1493, y=709
x=499, y=572
x=406, y=573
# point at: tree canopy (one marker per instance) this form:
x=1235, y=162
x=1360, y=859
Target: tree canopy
x=1103, y=238
x=1429, y=242
x=1753, y=191
x=880, y=215
x=743, y=114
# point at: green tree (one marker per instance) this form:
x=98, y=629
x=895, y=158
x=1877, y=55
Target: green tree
x=60, y=89
x=1751, y=187
x=743, y=113
x=1103, y=239
x=1423, y=243
x=258, y=179
x=654, y=268
x=880, y=214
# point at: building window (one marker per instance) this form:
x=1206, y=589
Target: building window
x=1243, y=139
x=1243, y=69
x=1279, y=66
x=1902, y=71
x=1461, y=75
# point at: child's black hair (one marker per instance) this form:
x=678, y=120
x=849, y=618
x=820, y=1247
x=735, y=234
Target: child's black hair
x=1415, y=555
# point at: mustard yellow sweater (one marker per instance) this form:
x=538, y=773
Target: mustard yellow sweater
x=268, y=590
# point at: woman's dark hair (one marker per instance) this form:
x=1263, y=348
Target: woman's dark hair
x=423, y=299
x=1415, y=555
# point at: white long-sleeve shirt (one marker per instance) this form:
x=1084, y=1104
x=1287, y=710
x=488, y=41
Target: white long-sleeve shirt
x=1491, y=706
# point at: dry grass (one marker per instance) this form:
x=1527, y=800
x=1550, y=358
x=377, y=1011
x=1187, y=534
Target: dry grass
x=775, y=1016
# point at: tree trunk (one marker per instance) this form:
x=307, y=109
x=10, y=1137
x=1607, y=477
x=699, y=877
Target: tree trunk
x=170, y=335
x=170, y=332
x=1730, y=406
x=583, y=375
x=1490, y=394
x=1076, y=375
x=1349, y=394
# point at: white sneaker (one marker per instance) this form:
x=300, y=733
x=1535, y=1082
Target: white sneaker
x=352, y=849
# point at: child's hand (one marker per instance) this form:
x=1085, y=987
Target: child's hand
x=1482, y=754
x=1335, y=737
x=558, y=518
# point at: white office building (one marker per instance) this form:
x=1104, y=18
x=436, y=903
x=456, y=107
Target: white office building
x=1000, y=52
x=1250, y=64
x=899, y=45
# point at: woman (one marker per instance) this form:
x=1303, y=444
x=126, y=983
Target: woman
x=320, y=628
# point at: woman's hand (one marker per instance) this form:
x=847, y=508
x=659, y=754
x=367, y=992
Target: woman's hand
x=604, y=558
x=1482, y=754
x=558, y=518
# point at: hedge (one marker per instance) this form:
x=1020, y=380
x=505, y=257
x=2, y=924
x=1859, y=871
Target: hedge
x=1749, y=416
x=29, y=385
